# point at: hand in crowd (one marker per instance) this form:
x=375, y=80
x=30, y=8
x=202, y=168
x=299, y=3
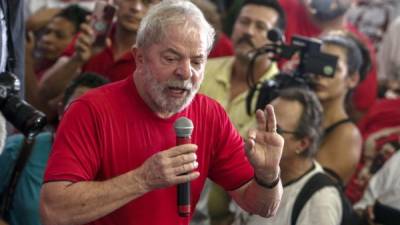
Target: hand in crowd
x=84, y=48
x=173, y=166
x=264, y=146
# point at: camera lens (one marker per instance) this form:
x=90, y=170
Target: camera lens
x=23, y=116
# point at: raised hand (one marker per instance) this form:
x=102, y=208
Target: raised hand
x=84, y=48
x=173, y=166
x=264, y=146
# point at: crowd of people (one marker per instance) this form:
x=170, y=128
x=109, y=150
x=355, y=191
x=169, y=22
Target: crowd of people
x=321, y=149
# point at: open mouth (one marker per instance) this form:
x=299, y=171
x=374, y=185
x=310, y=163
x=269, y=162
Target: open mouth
x=177, y=91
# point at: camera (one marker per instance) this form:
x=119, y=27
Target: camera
x=311, y=62
x=19, y=113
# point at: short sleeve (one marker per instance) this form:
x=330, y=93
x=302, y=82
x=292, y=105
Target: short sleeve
x=230, y=167
x=75, y=155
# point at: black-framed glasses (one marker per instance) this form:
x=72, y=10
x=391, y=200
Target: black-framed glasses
x=281, y=131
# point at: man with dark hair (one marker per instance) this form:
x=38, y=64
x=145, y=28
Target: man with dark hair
x=299, y=121
x=111, y=59
x=43, y=53
x=226, y=78
x=24, y=208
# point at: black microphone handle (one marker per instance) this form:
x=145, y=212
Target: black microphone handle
x=184, y=199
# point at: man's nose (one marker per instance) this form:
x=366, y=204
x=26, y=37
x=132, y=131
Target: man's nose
x=250, y=30
x=184, y=70
x=49, y=37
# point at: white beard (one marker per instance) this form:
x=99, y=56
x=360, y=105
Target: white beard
x=164, y=104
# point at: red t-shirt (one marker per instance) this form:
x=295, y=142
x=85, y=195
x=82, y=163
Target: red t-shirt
x=383, y=114
x=110, y=131
x=299, y=23
x=104, y=63
x=223, y=47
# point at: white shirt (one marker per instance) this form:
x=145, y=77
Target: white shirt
x=384, y=185
x=324, y=207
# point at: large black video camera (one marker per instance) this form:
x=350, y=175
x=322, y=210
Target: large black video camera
x=19, y=113
x=311, y=62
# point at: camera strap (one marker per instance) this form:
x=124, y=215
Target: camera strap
x=8, y=194
x=10, y=46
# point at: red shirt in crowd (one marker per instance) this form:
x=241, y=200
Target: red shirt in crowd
x=299, y=23
x=111, y=130
x=104, y=62
x=383, y=114
x=222, y=47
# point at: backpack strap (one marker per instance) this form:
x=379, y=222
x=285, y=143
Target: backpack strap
x=22, y=159
x=315, y=183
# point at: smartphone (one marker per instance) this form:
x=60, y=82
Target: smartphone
x=102, y=19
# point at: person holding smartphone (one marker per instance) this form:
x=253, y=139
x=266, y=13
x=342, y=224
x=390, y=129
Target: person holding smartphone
x=112, y=59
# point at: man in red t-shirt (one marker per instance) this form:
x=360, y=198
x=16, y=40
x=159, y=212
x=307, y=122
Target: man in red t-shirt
x=311, y=18
x=113, y=60
x=114, y=159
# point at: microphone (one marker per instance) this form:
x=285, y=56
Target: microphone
x=275, y=35
x=183, y=129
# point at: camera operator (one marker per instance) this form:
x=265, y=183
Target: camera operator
x=340, y=148
x=312, y=18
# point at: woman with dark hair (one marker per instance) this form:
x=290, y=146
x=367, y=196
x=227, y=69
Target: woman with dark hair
x=340, y=148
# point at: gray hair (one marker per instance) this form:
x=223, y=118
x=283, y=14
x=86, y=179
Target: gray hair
x=177, y=13
x=310, y=122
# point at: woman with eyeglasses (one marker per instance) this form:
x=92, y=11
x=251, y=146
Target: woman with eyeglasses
x=340, y=148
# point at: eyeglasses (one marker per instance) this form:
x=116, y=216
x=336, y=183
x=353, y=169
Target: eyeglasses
x=281, y=131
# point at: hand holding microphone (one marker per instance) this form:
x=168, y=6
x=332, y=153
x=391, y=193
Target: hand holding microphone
x=176, y=165
x=183, y=129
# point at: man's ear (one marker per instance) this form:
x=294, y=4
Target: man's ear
x=352, y=80
x=138, y=55
x=304, y=144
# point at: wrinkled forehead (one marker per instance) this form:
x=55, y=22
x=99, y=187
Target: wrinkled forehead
x=186, y=37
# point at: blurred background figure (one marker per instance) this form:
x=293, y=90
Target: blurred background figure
x=341, y=143
x=372, y=17
x=389, y=62
x=42, y=52
x=380, y=203
x=312, y=18
x=38, y=13
x=223, y=44
x=112, y=58
x=23, y=203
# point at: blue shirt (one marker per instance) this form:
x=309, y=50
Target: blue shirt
x=25, y=206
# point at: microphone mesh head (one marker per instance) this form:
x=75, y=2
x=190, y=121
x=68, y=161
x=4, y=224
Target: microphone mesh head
x=183, y=127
